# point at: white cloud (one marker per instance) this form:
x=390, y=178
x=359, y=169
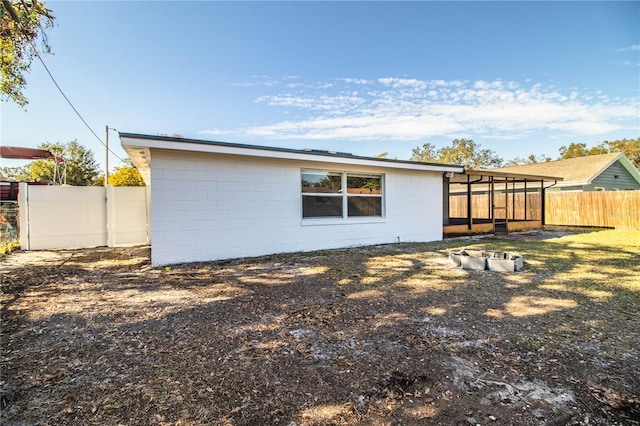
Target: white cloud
x=629, y=48
x=399, y=83
x=355, y=80
x=409, y=109
x=217, y=132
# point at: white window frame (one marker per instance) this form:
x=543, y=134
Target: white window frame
x=344, y=193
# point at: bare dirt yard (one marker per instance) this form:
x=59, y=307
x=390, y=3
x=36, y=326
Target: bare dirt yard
x=388, y=334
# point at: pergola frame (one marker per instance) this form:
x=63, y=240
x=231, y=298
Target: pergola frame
x=23, y=153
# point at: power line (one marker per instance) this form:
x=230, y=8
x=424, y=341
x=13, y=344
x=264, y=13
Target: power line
x=74, y=108
x=14, y=15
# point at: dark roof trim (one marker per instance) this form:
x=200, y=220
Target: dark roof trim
x=323, y=153
x=510, y=175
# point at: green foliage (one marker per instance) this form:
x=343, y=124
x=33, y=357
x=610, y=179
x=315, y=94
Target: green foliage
x=8, y=228
x=463, y=152
x=18, y=44
x=629, y=147
x=126, y=176
x=81, y=167
x=426, y=154
x=98, y=180
x=575, y=150
x=531, y=159
x=8, y=246
x=469, y=154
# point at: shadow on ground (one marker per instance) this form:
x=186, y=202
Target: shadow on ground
x=374, y=335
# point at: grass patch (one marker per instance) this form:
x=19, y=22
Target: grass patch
x=588, y=261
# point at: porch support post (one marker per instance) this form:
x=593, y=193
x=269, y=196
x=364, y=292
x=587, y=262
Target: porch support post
x=469, y=219
x=525, y=199
x=543, y=203
x=492, y=199
x=513, y=199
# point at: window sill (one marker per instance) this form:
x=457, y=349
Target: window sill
x=343, y=221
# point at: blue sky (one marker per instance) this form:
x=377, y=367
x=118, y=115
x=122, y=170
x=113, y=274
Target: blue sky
x=518, y=78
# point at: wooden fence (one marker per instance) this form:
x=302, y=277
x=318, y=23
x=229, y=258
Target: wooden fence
x=481, y=206
x=614, y=209
x=610, y=209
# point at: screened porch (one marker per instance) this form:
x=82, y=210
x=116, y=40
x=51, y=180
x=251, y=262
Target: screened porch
x=486, y=202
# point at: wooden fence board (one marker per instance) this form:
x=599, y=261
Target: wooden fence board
x=481, y=209
x=611, y=209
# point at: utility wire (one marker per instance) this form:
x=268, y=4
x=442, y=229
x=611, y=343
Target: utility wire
x=14, y=15
x=74, y=108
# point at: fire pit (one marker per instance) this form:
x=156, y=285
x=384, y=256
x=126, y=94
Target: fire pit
x=479, y=260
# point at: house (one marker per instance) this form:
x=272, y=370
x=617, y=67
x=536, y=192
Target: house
x=605, y=172
x=217, y=200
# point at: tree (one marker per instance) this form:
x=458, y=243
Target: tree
x=531, y=159
x=426, y=154
x=81, y=167
x=575, y=150
x=630, y=148
x=22, y=25
x=462, y=152
x=127, y=175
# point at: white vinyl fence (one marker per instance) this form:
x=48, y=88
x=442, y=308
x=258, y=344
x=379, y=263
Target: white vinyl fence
x=53, y=217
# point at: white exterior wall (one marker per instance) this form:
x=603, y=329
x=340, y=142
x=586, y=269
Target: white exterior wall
x=215, y=206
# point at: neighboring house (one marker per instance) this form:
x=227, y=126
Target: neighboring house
x=216, y=200
x=605, y=172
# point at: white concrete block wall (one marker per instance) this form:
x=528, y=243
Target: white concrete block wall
x=212, y=206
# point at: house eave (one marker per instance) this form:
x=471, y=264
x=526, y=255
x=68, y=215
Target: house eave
x=574, y=183
x=626, y=163
x=140, y=145
x=521, y=176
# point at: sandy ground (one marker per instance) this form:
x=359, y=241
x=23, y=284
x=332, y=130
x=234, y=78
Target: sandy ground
x=377, y=335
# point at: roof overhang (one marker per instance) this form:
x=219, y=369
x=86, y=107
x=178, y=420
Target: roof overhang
x=139, y=148
x=512, y=177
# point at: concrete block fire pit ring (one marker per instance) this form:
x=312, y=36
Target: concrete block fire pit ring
x=479, y=260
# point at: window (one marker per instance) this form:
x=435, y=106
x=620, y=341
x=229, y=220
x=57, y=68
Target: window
x=364, y=195
x=323, y=195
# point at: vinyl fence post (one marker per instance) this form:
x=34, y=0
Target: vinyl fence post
x=23, y=215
